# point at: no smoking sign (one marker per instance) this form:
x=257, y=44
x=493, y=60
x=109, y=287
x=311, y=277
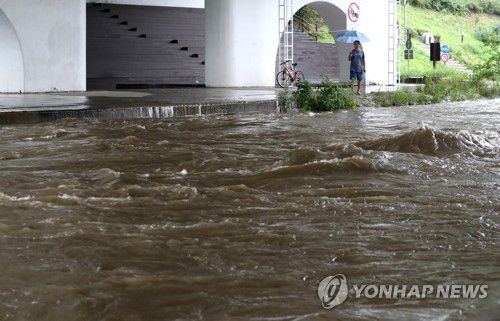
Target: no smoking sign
x=353, y=12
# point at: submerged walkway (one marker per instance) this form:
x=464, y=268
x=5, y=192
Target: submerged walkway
x=145, y=103
x=168, y=102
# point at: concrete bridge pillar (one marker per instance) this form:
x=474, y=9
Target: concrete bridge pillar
x=11, y=58
x=241, y=42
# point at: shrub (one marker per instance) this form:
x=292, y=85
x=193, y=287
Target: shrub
x=491, y=90
x=458, y=89
x=482, y=34
x=286, y=100
x=305, y=97
x=418, y=32
x=333, y=97
x=330, y=97
x=488, y=69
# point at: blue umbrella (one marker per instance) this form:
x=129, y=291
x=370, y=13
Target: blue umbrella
x=350, y=36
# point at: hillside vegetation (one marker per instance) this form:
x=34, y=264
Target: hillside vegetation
x=305, y=20
x=459, y=6
x=447, y=27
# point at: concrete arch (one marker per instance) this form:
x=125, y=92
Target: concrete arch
x=307, y=54
x=11, y=58
x=332, y=11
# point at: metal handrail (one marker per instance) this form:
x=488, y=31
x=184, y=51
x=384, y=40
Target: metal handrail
x=306, y=27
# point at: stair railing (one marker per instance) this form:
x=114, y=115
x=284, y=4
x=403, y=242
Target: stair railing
x=306, y=27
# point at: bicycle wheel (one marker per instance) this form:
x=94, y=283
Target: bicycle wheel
x=299, y=77
x=283, y=79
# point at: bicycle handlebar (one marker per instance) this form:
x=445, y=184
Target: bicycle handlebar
x=287, y=61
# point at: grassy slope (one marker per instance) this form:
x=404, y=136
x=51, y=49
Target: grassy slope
x=325, y=35
x=448, y=27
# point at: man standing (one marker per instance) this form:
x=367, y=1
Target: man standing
x=358, y=66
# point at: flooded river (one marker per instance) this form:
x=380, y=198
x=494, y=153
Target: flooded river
x=240, y=217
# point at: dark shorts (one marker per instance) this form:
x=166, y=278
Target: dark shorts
x=356, y=75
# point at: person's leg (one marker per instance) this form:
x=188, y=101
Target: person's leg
x=359, y=77
x=353, y=78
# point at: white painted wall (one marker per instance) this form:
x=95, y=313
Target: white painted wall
x=11, y=58
x=52, y=37
x=242, y=39
x=158, y=3
x=374, y=22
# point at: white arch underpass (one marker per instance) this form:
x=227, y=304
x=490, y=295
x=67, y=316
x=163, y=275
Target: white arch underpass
x=332, y=11
x=336, y=20
x=11, y=58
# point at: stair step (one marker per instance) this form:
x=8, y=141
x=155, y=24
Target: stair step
x=117, y=56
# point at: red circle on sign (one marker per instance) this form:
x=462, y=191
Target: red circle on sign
x=445, y=58
x=353, y=12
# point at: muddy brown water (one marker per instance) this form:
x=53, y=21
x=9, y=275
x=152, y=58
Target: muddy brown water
x=240, y=217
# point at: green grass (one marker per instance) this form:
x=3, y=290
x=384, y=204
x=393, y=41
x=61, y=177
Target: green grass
x=400, y=98
x=421, y=66
x=448, y=27
x=453, y=89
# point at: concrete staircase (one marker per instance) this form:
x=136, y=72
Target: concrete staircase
x=144, y=46
x=452, y=63
x=314, y=59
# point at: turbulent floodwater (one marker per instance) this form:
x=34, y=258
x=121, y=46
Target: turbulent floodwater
x=240, y=217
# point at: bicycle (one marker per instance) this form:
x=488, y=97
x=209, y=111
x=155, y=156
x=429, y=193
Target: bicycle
x=289, y=75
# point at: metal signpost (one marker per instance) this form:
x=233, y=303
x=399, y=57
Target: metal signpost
x=409, y=50
x=435, y=53
x=445, y=53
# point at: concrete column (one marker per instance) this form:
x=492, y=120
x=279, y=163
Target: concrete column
x=241, y=42
x=52, y=38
